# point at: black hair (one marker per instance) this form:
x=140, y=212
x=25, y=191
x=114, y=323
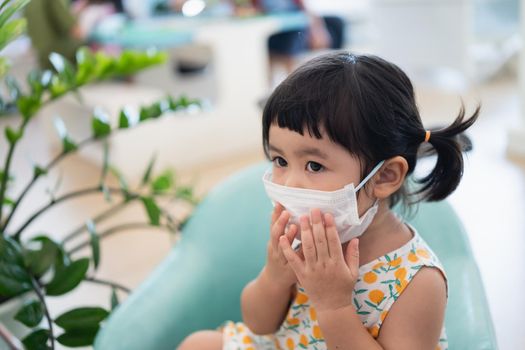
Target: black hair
x=367, y=105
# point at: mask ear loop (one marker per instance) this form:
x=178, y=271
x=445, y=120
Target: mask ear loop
x=372, y=173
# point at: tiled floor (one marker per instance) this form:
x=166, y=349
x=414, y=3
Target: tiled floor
x=490, y=201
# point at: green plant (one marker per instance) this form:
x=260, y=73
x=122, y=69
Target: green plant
x=39, y=263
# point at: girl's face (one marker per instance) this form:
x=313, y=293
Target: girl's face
x=304, y=161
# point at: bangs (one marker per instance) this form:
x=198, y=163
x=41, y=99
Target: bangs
x=320, y=95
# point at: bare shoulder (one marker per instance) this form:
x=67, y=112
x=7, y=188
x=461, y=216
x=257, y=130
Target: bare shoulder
x=416, y=318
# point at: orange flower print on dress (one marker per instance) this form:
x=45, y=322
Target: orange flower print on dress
x=401, y=273
x=376, y=296
x=301, y=298
x=290, y=344
x=303, y=342
x=412, y=257
x=247, y=339
x=293, y=321
x=316, y=332
x=423, y=253
x=396, y=262
x=378, y=265
x=370, y=277
x=313, y=314
x=374, y=331
x=400, y=287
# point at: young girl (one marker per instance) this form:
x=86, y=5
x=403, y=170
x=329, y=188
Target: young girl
x=343, y=271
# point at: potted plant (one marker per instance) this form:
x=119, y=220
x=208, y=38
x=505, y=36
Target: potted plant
x=35, y=267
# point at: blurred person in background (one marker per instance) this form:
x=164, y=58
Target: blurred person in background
x=321, y=33
x=62, y=27
x=52, y=27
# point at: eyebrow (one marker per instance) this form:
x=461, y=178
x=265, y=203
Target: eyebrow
x=308, y=151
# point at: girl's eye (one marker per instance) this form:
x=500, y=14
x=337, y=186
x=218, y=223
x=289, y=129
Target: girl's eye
x=314, y=167
x=279, y=162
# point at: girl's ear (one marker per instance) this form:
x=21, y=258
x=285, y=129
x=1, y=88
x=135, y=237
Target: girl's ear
x=390, y=177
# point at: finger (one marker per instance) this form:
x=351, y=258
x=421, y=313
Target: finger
x=307, y=240
x=292, y=232
x=278, y=228
x=293, y=259
x=290, y=235
x=319, y=235
x=276, y=212
x=334, y=243
x=352, y=256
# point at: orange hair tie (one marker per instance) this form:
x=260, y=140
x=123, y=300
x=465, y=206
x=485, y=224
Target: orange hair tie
x=427, y=135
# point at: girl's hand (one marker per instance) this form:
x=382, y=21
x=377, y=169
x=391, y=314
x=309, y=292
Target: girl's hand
x=326, y=274
x=277, y=268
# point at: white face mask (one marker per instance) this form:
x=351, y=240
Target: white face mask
x=342, y=204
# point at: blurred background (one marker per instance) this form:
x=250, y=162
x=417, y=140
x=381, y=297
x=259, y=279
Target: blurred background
x=230, y=55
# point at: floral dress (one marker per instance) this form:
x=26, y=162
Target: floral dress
x=379, y=285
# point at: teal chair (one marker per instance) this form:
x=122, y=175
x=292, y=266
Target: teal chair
x=223, y=247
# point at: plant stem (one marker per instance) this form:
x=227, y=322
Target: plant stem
x=108, y=283
x=5, y=176
x=115, y=229
x=48, y=167
x=98, y=218
x=58, y=200
x=38, y=291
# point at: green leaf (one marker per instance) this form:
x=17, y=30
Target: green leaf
x=149, y=169
x=31, y=314
x=186, y=193
x=127, y=118
x=12, y=135
x=37, y=340
x=28, y=105
x=106, y=192
x=39, y=171
x=46, y=79
x=84, y=317
x=68, y=278
x=123, y=120
x=66, y=71
x=122, y=181
x=9, y=11
x=94, y=241
x=11, y=31
x=100, y=124
x=104, y=65
x=105, y=162
x=34, y=80
x=68, y=144
x=86, y=64
x=163, y=182
x=152, y=210
x=13, y=87
x=41, y=258
x=4, y=66
x=150, y=112
x=114, y=298
x=57, y=86
x=14, y=277
x=9, y=201
x=78, y=337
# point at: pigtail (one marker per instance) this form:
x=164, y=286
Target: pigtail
x=448, y=144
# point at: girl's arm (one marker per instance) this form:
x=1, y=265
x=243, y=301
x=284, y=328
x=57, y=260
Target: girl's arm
x=414, y=321
x=264, y=301
x=264, y=304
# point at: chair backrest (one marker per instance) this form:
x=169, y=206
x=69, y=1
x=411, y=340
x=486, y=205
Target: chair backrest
x=224, y=246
